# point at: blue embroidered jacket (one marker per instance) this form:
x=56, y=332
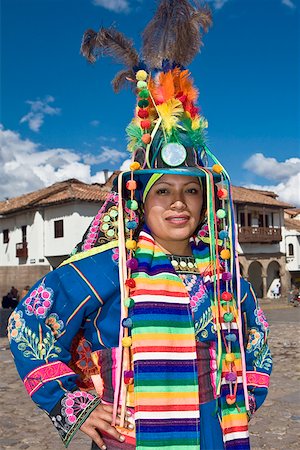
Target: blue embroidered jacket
x=83, y=295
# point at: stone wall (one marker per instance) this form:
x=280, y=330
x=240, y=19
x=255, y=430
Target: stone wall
x=264, y=262
x=19, y=277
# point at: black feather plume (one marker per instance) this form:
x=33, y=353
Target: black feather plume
x=174, y=33
x=109, y=41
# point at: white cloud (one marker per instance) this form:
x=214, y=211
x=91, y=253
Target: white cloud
x=38, y=110
x=272, y=169
x=286, y=175
x=94, y=123
x=289, y=3
x=107, y=154
x=118, y=6
x=125, y=165
x=24, y=167
x=99, y=177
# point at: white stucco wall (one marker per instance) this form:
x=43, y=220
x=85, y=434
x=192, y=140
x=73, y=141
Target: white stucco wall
x=292, y=237
x=76, y=218
x=40, y=232
x=33, y=222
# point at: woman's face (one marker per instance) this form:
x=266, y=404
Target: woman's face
x=172, y=211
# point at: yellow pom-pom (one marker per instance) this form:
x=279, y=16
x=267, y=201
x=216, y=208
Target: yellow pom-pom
x=217, y=168
x=229, y=357
x=141, y=75
x=135, y=166
x=225, y=253
x=126, y=342
x=130, y=244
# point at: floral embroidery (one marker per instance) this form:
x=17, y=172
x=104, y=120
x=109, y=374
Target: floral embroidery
x=39, y=301
x=255, y=340
x=196, y=289
x=260, y=319
x=55, y=324
x=201, y=325
x=115, y=255
x=69, y=414
x=15, y=325
x=263, y=358
x=35, y=346
x=73, y=404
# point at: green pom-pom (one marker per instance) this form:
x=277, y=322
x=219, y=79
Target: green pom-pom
x=143, y=103
x=141, y=84
x=144, y=93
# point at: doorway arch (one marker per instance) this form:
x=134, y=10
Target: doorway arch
x=255, y=278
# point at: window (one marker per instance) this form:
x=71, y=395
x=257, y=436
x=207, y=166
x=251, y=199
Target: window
x=291, y=250
x=58, y=228
x=24, y=233
x=5, y=236
x=242, y=219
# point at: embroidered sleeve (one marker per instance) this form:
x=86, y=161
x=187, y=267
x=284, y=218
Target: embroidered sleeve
x=258, y=356
x=41, y=331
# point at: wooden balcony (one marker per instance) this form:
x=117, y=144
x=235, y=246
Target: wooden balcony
x=21, y=250
x=259, y=234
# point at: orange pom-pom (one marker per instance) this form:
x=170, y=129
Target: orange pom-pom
x=146, y=138
x=131, y=185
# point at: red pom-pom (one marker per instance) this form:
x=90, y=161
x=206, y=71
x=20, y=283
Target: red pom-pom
x=146, y=124
x=226, y=296
x=143, y=113
x=222, y=193
x=130, y=283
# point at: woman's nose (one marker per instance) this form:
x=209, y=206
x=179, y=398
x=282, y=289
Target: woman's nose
x=178, y=203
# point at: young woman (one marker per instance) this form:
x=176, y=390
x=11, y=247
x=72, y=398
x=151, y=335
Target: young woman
x=151, y=306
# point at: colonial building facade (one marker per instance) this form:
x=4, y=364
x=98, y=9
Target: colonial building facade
x=40, y=229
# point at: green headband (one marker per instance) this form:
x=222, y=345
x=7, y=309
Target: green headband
x=154, y=178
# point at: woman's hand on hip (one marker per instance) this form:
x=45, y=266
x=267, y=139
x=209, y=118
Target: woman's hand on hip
x=99, y=422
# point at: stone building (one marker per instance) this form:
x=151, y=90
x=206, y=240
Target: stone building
x=291, y=244
x=39, y=230
x=260, y=223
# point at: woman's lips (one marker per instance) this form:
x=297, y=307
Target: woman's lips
x=178, y=220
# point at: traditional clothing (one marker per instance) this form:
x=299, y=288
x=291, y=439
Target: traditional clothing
x=179, y=340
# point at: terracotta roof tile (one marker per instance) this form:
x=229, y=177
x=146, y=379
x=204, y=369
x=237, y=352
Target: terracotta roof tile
x=292, y=224
x=246, y=195
x=61, y=192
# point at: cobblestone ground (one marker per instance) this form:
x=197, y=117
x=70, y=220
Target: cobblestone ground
x=274, y=427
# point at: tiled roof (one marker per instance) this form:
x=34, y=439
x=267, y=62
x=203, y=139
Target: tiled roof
x=292, y=212
x=246, y=195
x=72, y=190
x=292, y=224
x=61, y=192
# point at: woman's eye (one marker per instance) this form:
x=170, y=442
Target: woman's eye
x=161, y=191
x=193, y=191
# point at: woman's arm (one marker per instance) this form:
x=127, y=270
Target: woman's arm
x=257, y=352
x=41, y=331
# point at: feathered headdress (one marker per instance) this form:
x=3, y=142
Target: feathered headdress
x=166, y=111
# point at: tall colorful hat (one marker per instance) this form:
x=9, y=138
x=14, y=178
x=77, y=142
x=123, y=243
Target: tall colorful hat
x=167, y=135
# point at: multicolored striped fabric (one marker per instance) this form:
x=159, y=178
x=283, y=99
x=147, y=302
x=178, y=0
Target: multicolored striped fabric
x=164, y=355
x=165, y=359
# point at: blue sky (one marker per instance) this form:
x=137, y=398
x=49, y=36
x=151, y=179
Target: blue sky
x=61, y=119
